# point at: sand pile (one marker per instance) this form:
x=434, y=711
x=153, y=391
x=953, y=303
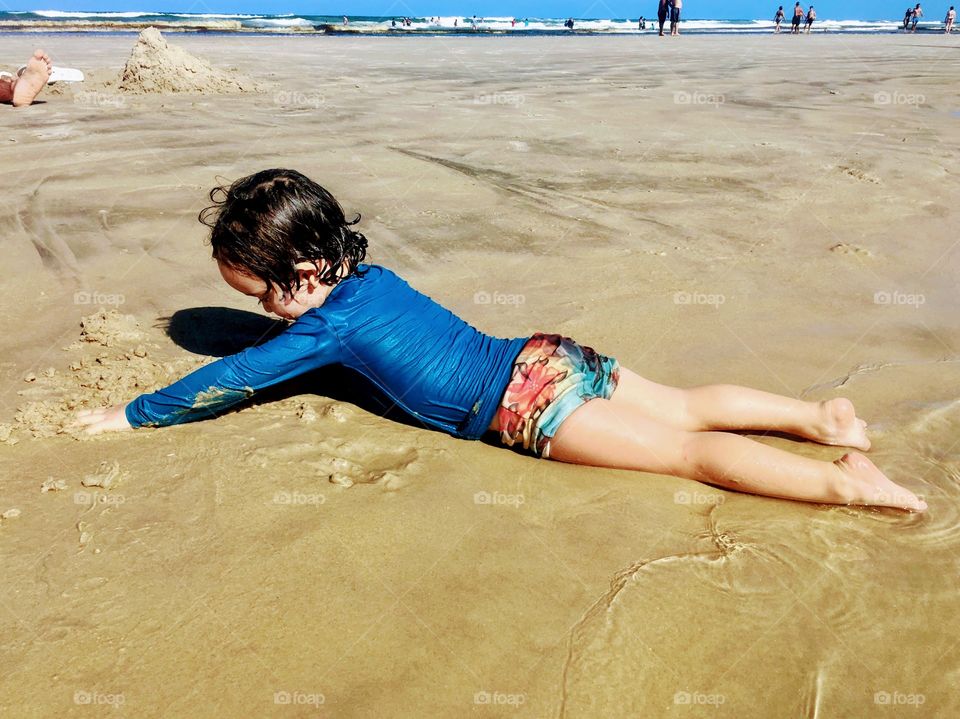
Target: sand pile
x=155, y=66
x=112, y=362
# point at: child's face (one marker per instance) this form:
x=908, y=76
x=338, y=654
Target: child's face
x=311, y=293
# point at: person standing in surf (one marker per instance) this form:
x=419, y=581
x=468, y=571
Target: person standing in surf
x=949, y=20
x=778, y=18
x=675, y=17
x=811, y=16
x=663, y=9
x=915, y=17
x=798, y=15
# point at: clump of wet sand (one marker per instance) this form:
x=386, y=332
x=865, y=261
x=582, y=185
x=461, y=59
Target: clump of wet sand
x=110, y=363
x=156, y=66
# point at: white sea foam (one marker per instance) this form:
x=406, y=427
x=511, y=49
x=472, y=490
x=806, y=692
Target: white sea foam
x=505, y=24
x=279, y=22
x=105, y=15
x=218, y=16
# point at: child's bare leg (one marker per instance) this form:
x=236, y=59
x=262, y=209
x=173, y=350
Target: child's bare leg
x=603, y=433
x=724, y=406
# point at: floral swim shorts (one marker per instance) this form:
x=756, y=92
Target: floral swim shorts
x=552, y=376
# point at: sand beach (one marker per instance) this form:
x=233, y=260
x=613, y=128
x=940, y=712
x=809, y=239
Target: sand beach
x=774, y=211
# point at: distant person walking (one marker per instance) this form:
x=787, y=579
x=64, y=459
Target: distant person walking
x=798, y=15
x=778, y=18
x=663, y=9
x=916, y=15
x=949, y=20
x=675, y=17
x=811, y=16
x=907, y=16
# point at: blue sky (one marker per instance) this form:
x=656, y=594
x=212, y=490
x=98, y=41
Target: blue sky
x=734, y=9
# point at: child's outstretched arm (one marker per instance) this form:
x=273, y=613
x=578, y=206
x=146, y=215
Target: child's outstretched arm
x=306, y=345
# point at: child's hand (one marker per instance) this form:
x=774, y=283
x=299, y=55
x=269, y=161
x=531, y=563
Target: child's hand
x=104, y=419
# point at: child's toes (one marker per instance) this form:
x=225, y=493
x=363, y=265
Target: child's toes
x=901, y=499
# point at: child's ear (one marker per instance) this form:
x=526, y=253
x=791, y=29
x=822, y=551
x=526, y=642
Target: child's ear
x=307, y=272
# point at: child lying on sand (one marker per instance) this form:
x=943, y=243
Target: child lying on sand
x=281, y=238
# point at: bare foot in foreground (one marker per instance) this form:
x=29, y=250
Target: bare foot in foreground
x=867, y=485
x=840, y=425
x=32, y=80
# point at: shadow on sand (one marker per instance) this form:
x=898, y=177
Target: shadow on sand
x=222, y=331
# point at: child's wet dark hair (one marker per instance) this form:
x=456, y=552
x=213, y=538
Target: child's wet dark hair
x=264, y=224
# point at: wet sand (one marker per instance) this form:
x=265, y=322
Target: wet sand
x=779, y=212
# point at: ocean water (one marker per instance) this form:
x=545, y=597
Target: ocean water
x=53, y=20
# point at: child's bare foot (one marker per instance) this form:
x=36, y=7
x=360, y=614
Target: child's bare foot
x=32, y=80
x=865, y=484
x=839, y=425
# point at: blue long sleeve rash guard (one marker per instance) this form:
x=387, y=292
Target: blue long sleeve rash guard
x=432, y=364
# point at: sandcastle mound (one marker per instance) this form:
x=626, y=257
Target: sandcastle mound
x=155, y=66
